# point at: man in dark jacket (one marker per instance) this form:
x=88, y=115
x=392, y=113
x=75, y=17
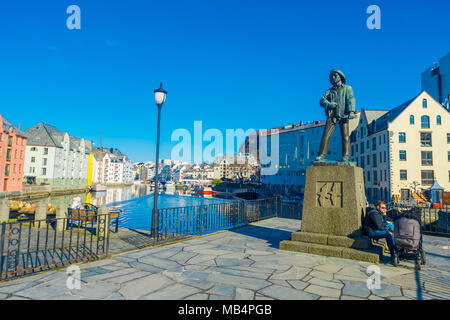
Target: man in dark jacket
x=375, y=226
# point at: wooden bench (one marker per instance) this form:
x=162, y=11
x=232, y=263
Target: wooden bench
x=90, y=214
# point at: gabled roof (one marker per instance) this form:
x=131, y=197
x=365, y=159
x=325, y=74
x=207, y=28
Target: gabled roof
x=7, y=125
x=382, y=122
x=372, y=115
x=43, y=134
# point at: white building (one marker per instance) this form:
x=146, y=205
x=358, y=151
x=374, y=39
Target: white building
x=54, y=157
x=403, y=150
x=116, y=168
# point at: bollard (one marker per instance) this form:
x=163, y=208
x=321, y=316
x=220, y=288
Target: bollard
x=40, y=214
x=61, y=217
x=103, y=221
x=4, y=210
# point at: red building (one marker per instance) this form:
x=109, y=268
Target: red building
x=12, y=156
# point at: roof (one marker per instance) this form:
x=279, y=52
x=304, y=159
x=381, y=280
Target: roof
x=382, y=122
x=372, y=115
x=436, y=186
x=43, y=134
x=7, y=125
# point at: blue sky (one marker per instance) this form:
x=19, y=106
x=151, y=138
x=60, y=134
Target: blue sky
x=231, y=64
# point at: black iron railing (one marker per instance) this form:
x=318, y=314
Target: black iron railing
x=176, y=223
x=434, y=220
x=31, y=246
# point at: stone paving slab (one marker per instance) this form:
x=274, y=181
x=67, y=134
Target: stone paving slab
x=242, y=264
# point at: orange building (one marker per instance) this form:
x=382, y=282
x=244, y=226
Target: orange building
x=12, y=156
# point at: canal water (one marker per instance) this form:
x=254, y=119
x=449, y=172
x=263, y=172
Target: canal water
x=136, y=203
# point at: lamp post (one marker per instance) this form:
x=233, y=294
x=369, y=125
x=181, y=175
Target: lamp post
x=160, y=97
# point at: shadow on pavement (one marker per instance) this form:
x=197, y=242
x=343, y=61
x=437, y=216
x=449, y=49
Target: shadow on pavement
x=272, y=236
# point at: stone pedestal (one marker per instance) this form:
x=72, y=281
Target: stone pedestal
x=334, y=200
x=333, y=208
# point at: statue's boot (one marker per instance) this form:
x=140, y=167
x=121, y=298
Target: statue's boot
x=320, y=158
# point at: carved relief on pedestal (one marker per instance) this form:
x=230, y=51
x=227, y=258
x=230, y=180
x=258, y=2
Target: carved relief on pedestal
x=329, y=194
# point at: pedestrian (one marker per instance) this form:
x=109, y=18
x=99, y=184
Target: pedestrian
x=376, y=227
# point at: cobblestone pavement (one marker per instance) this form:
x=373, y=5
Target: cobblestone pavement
x=242, y=264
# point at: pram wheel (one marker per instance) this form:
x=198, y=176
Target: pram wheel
x=423, y=257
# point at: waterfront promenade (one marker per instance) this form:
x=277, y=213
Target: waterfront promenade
x=242, y=264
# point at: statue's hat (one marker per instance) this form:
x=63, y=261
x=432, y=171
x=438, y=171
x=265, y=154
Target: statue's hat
x=339, y=72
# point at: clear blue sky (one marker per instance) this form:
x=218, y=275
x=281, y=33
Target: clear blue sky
x=232, y=64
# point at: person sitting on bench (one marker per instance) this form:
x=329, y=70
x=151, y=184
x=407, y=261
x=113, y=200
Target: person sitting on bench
x=375, y=226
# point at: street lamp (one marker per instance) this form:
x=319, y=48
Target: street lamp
x=160, y=97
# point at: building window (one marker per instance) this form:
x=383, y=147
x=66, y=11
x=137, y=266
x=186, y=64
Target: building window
x=425, y=122
x=374, y=143
x=368, y=176
x=362, y=147
x=448, y=137
x=381, y=157
x=374, y=160
x=33, y=148
x=10, y=141
x=8, y=155
x=427, y=177
x=385, y=175
x=384, y=156
x=427, y=158
x=384, y=139
x=438, y=120
x=402, y=155
x=44, y=171
x=368, y=144
x=375, y=178
x=402, y=137
x=353, y=151
x=33, y=159
x=425, y=139
x=362, y=161
x=424, y=103
x=356, y=145
x=411, y=119
x=448, y=156
x=45, y=150
x=44, y=161
x=379, y=140
x=7, y=170
x=368, y=160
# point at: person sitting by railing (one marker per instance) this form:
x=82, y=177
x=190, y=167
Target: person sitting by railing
x=376, y=227
x=76, y=204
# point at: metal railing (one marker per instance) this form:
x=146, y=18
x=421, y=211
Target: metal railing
x=177, y=223
x=434, y=220
x=31, y=246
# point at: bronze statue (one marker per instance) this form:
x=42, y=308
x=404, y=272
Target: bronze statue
x=339, y=104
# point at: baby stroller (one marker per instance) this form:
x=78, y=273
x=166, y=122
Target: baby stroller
x=408, y=238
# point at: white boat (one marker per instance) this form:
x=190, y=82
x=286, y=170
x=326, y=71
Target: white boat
x=99, y=188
